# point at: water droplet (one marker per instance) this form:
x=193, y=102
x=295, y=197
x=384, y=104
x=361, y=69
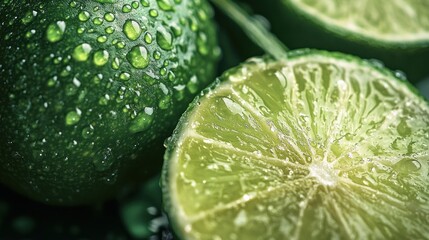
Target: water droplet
x=148, y=38
x=403, y=128
x=163, y=88
x=165, y=103
x=97, y=78
x=126, y=8
x=202, y=44
x=193, y=85
x=103, y=101
x=400, y=74
x=124, y=76
x=73, y=117
x=145, y=3
x=73, y=4
x=188, y=228
x=171, y=76
x=109, y=30
x=120, y=44
x=81, y=52
x=165, y=5
x=65, y=72
x=52, y=82
x=132, y=29
x=102, y=39
x=164, y=38
x=87, y=132
x=76, y=82
x=138, y=57
x=180, y=93
x=408, y=165
x=135, y=4
x=110, y=17
x=177, y=30
x=29, y=17
x=103, y=160
x=116, y=63
x=157, y=55
x=97, y=21
x=29, y=34
x=101, y=57
x=55, y=31
x=70, y=90
x=153, y=13
x=142, y=122
x=83, y=16
x=80, y=30
x=194, y=25
x=376, y=62
x=241, y=218
x=202, y=15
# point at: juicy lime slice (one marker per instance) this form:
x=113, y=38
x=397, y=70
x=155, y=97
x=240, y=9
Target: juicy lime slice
x=395, y=32
x=395, y=21
x=322, y=145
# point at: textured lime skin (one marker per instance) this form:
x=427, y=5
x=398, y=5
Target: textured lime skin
x=299, y=30
x=76, y=127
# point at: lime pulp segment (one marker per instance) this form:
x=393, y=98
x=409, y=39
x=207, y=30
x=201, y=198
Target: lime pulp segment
x=322, y=146
x=389, y=21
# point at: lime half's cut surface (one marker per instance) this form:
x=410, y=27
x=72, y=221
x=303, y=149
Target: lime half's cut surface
x=395, y=22
x=322, y=145
x=395, y=32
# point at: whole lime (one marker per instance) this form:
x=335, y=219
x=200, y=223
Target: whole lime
x=89, y=87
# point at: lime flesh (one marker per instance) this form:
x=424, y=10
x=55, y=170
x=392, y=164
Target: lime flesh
x=395, y=21
x=321, y=146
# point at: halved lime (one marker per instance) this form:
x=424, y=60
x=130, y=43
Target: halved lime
x=395, y=32
x=319, y=146
x=387, y=23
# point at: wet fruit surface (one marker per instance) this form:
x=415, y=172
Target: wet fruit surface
x=395, y=32
x=318, y=146
x=87, y=86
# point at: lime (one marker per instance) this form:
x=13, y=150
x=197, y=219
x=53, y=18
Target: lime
x=319, y=146
x=391, y=23
x=90, y=90
x=395, y=32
